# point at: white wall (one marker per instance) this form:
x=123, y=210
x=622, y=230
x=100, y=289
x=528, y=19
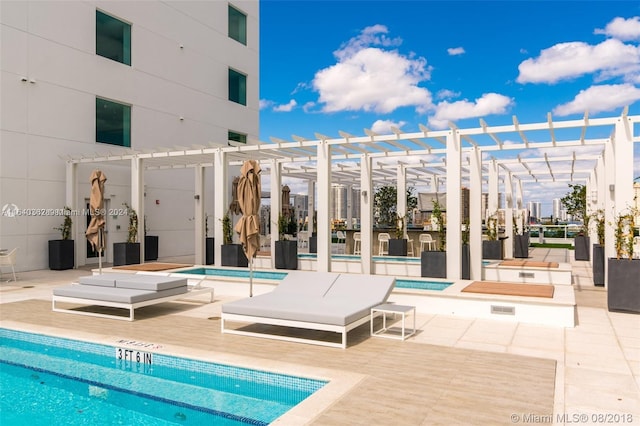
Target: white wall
x=53, y=44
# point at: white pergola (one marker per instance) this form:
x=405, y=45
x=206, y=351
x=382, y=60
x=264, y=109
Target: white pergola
x=453, y=157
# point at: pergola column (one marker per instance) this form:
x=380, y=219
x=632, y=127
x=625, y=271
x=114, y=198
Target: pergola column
x=324, y=201
x=493, y=189
x=276, y=205
x=366, y=213
x=508, y=215
x=349, y=206
x=137, y=198
x=220, y=200
x=401, y=194
x=475, y=213
x=71, y=201
x=311, y=205
x=454, y=210
x=199, y=200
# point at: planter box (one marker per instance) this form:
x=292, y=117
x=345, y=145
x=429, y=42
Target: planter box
x=209, y=251
x=61, y=254
x=466, y=262
x=126, y=254
x=397, y=247
x=286, y=255
x=492, y=250
x=433, y=264
x=582, y=244
x=313, y=244
x=598, y=265
x=233, y=255
x=623, y=289
x=150, y=247
x=521, y=245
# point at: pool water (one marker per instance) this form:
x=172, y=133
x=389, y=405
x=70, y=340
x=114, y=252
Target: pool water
x=235, y=273
x=422, y=285
x=62, y=381
x=355, y=257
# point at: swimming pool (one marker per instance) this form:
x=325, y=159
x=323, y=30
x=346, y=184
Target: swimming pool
x=63, y=381
x=355, y=257
x=234, y=273
x=422, y=285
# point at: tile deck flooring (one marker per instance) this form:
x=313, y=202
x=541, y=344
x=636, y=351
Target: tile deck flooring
x=454, y=371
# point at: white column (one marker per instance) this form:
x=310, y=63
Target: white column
x=475, y=213
x=311, y=203
x=366, y=213
x=276, y=205
x=454, y=210
x=220, y=201
x=324, y=198
x=609, y=205
x=349, y=206
x=601, y=187
x=493, y=188
x=508, y=216
x=519, y=202
x=401, y=194
x=199, y=215
x=592, y=206
x=137, y=198
x=71, y=201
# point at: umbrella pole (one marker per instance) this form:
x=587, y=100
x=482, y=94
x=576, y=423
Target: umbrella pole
x=100, y=251
x=251, y=277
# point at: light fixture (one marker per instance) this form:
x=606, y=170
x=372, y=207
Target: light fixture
x=612, y=187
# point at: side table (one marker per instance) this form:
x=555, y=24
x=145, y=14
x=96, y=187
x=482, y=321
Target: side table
x=390, y=308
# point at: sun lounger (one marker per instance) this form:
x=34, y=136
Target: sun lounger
x=125, y=291
x=311, y=300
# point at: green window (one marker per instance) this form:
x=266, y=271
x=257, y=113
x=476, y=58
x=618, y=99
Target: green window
x=237, y=87
x=237, y=137
x=113, y=123
x=237, y=25
x=113, y=38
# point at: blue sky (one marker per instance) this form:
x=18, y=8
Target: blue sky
x=348, y=65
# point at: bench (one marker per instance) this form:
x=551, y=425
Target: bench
x=124, y=291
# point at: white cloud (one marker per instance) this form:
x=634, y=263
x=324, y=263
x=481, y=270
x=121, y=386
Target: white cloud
x=488, y=103
x=447, y=94
x=308, y=106
x=264, y=104
x=286, y=107
x=370, y=78
x=570, y=60
x=600, y=98
x=622, y=29
x=453, y=51
x=384, y=126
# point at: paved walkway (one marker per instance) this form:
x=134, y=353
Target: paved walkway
x=597, y=363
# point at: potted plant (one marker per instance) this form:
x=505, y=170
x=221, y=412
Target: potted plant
x=398, y=245
x=576, y=204
x=434, y=263
x=492, y=248
x=62, y=252
x=150, y=243
x=232, y=254
x=209, y=246
x=128, y=253
x=466, y=252
x=520, y=239
x=623, y=291
x=286, y=255
x=597, y=263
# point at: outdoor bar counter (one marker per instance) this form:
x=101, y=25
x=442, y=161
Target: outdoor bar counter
x=413, y=234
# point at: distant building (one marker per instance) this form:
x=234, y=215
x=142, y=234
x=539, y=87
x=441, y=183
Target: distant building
x=535, y=211
x=557, y=210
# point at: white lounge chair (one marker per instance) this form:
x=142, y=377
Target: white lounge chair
x=9, y=259
x=311, y=300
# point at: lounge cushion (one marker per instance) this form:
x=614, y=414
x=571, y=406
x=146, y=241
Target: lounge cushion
x=110, y=294
x=365, y=289
x=309, y=284
x=149, y=282
x=104, y=280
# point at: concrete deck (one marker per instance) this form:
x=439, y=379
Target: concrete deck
x=454, y=371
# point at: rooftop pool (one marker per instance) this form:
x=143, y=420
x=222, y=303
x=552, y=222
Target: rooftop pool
x=62, y=381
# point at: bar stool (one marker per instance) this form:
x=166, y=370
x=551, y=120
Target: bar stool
x=425, y=239
x=383, y=243
x=410, y=247
x=356, y=243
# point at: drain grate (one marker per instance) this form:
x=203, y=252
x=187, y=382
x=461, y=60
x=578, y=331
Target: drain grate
x=503, y=310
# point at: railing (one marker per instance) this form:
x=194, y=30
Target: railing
x=562, y=234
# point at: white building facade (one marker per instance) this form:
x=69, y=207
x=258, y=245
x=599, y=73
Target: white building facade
x=103, y=77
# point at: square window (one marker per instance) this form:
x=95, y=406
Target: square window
x=237, y=87
x=237, y=25
x=113, y=38
x=113, y=123
x=237, y=137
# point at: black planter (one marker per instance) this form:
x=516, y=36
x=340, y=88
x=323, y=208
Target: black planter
x=233, y=255
x=150, y=247
x=466, y=262
x=582, y=244
x=623, y=291
x=313, y=244
x=286, y=255
x=397, y=247
x=521, y=245
x=598, y=265
x=433, y=264
x=61, y=254
x=492, y=250
x=126, y=254
x=209, y=251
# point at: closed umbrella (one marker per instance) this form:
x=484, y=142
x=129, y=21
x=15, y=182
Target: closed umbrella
x=95, y=230
x=249, y=192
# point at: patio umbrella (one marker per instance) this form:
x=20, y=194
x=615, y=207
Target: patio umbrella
x=234, y=207
x=249, y=192
x=95, y=230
